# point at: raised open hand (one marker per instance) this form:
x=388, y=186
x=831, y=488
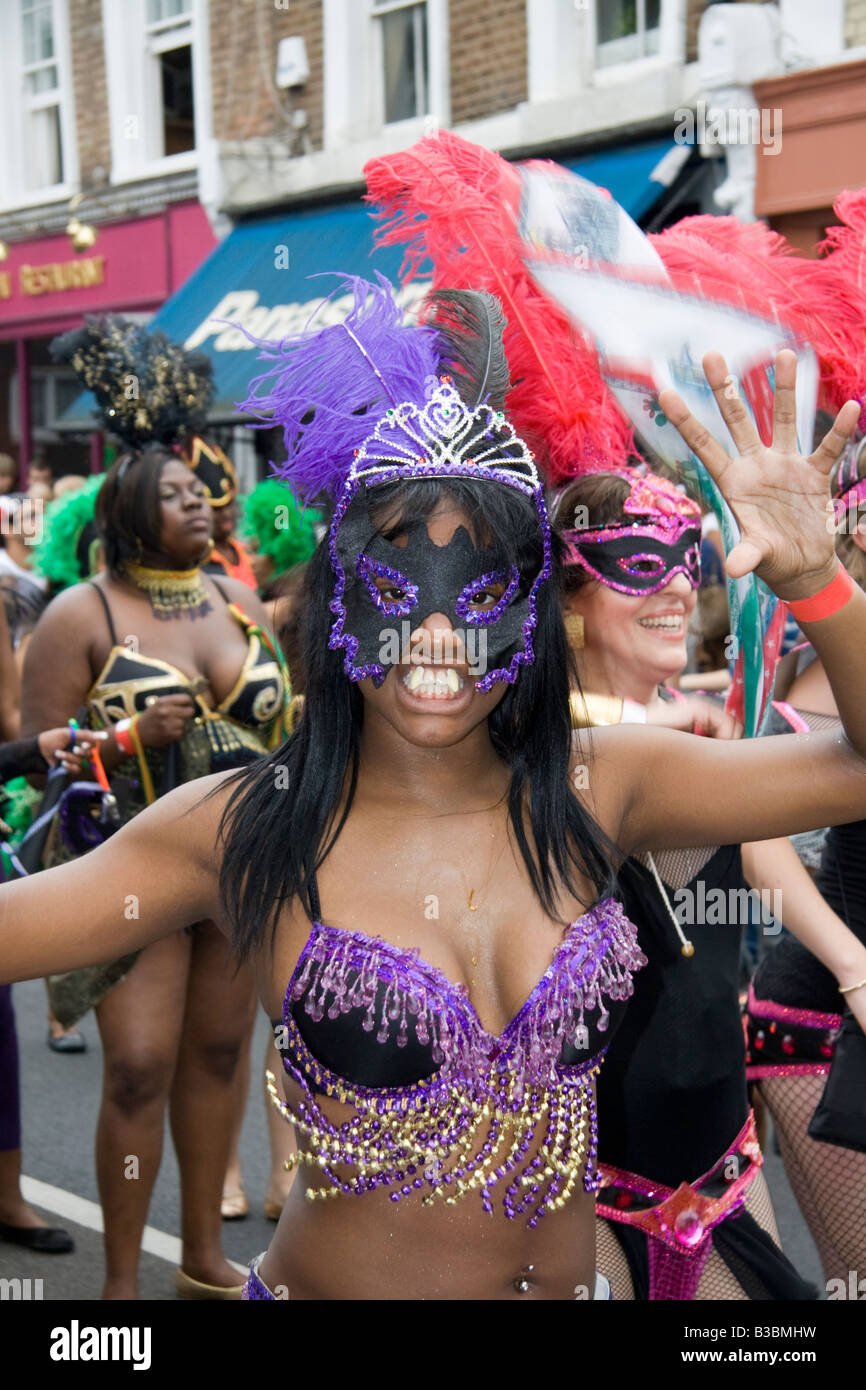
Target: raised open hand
x=780, y=498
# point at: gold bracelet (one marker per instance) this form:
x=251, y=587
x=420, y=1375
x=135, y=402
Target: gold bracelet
x=849, y=989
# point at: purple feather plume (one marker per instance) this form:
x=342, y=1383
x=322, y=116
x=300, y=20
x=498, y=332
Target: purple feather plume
x=329, y=386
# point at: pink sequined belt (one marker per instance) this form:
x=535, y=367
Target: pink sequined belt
x=785, y=1041
x=679, y=1223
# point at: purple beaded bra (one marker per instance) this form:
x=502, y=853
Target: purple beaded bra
x=518, y=1108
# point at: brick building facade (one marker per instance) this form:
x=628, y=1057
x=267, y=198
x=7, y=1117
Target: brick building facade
x=91, y=90
x=244, y=38
x=488, y=62
x=522, y=78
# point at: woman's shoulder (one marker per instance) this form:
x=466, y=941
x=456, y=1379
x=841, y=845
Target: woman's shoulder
x=78, y=597
x=72, y=613
x=596, y=754
x=234, y=589
x=607, y=765
x=207, y=796
x=241, y=595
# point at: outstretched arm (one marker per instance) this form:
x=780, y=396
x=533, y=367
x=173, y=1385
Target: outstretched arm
x=656, y=789
x=676, y=791
x=155, y=876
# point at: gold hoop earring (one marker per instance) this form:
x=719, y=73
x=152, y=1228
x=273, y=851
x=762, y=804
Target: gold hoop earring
x=574, y=630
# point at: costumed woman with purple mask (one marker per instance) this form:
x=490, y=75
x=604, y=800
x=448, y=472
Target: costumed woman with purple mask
x=425, y=896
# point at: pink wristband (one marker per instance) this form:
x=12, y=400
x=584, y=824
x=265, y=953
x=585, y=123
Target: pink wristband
x=826, y=602
x=123, y=738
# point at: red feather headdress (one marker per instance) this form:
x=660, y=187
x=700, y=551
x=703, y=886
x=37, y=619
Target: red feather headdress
x=840, y=284
x=749, y=265
x=456, y=204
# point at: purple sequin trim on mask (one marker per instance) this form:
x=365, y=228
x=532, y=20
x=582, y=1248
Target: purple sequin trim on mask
x=484, y=617
x=367, y=570
x=340, y=639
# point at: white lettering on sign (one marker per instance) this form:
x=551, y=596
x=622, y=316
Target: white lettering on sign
x=239, y=313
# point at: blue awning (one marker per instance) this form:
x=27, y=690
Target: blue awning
x=259, y=277
x=267, y=277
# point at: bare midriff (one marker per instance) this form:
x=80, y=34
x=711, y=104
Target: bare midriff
x=369, y=1247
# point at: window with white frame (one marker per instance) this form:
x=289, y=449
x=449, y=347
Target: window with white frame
x=157, y=63
x=43, y=162
x=169, y=43
x=405, y=58
x=626, y=29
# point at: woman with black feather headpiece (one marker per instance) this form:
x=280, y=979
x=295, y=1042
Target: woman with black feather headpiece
x=180, y=670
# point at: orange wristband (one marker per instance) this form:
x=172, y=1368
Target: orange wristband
x=826, y=602
x=123, y=738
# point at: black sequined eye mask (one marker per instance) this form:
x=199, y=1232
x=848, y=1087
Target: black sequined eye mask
x=388, y=584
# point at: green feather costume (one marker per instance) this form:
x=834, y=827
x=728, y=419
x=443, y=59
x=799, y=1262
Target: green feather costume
x=64, y=555
x=283, y=531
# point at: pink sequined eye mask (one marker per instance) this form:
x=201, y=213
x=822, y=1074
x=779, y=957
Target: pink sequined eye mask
x=637, y=559
x=659, y=537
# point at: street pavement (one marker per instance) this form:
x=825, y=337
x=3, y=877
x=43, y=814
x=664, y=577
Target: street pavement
x=60, y=1106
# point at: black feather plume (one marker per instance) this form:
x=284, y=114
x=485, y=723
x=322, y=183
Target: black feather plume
x=470, y=325
x=147, y=387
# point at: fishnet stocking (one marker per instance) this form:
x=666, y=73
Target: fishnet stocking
x=717, y=1281
x=829, y=1182
x=612, y=1262
x=677, y=867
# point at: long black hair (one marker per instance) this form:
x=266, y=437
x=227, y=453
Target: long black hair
x=281, y=819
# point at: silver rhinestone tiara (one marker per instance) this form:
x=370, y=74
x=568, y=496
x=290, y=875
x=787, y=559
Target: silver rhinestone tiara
x=442, y=437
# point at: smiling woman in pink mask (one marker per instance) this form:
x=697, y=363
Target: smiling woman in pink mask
x=672, y=1095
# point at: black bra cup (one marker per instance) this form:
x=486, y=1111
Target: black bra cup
x=571, y=1056
x=342, y=1047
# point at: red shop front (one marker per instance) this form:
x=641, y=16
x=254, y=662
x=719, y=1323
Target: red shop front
x=46, y=287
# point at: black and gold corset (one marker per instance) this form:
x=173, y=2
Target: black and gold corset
x=249, y=721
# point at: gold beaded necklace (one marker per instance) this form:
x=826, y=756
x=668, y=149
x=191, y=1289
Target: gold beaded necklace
x=172, y=593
